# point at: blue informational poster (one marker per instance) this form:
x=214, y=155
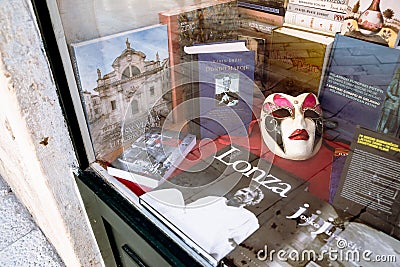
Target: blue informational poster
x=361, y=87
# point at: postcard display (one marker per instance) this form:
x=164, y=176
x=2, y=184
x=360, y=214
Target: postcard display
x=183, y=131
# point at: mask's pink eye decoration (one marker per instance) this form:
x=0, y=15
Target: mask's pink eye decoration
x=279, y=112
x=309, y=101
x=282, y=102
x=311, y=107
x=280, y=108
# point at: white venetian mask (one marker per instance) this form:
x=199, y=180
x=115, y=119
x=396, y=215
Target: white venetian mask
x=292, y=126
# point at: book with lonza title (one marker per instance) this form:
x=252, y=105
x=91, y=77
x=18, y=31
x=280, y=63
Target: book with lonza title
x=373, y=21
x=209, y=21
x=226, y=87
x=370, y=182
x=361, y=87
x=219, y=201
x=152, y=157
x=297, y=61
x=306, y=231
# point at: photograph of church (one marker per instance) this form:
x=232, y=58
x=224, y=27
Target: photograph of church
x=126, y=89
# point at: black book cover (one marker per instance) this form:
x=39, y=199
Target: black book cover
x=306, y=231
x=230, y=189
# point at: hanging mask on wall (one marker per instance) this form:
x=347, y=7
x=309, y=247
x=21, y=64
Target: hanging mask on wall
x=292, y=126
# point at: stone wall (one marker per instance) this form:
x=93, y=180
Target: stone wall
x=36, y=154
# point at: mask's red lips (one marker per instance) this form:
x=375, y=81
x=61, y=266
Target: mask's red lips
x=299, y=134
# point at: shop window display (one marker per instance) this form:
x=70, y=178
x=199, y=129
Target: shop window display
x=262, y=173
